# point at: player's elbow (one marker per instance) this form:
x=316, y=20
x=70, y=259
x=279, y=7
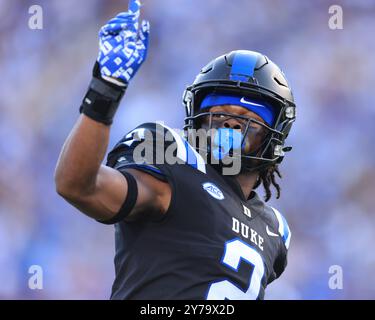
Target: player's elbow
x=64, y=189
x=70, y=189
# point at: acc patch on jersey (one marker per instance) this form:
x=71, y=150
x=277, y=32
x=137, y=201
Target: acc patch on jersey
x=213, y=190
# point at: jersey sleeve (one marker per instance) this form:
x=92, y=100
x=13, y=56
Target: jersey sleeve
x=285, y=235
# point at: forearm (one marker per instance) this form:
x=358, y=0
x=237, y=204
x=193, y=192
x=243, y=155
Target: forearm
x=81, y=156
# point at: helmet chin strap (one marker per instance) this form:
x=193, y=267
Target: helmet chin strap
x=255, y=168
x=250, y=165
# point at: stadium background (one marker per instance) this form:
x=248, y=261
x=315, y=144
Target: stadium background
x=329, y=178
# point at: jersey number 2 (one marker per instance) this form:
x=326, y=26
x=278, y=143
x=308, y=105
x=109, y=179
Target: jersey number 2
x=235, y=250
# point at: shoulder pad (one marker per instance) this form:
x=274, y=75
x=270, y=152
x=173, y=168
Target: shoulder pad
x=155, y=139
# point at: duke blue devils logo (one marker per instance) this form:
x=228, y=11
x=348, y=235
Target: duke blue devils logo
x=213, y=190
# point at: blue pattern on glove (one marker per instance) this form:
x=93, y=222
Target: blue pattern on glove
x=122, y=47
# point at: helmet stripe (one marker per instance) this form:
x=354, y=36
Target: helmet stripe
x=243, y=65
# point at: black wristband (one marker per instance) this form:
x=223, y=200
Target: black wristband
x=102, y=98
x=129, y=202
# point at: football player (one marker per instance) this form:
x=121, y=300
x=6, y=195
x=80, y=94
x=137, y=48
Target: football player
x=184, y=230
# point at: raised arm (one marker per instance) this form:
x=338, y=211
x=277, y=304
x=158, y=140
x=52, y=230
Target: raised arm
x=97, y=190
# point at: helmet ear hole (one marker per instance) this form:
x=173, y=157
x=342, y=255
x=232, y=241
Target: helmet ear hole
x=280, y=82
x=207, y=68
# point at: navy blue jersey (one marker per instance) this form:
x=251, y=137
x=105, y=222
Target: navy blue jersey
x=212, y=243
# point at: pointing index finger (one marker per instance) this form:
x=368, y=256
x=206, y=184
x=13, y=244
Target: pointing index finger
x=134, y=6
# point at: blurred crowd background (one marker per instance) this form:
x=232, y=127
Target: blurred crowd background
x=328, y=185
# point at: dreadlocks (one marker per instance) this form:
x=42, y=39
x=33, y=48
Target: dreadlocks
x=267, y=177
